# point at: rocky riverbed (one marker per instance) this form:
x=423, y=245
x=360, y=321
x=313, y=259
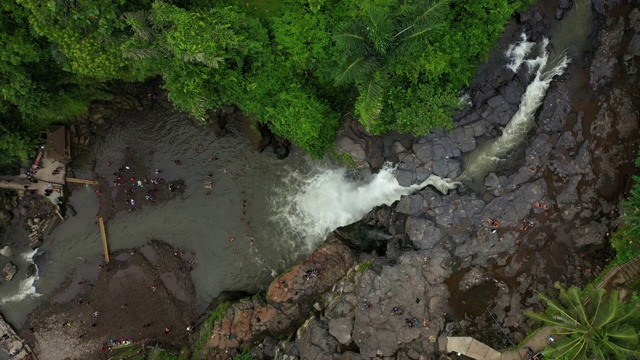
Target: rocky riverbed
x=446, y=269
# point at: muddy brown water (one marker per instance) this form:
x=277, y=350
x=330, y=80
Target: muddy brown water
x=194, y=221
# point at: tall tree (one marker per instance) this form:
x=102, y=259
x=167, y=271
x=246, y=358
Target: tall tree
x=592, y=325
x=372, y=41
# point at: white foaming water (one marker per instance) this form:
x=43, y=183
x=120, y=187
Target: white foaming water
x=484, y=159
x=518, y=52
x=328, y=199
x=26, y=288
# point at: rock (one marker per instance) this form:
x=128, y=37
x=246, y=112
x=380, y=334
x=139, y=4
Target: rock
x=565, y=4
x=288, y=301
x=5, y=217
x=24, y=210
x=475, y=276
x=410, y=205
x=605, y=59
x=35, y=241
x=6, y=251
x=313, y=340
x=9, y=271
x=31, y=270
x=422, y=232
x=341, y=329
x=366, y=151
x=496, y=101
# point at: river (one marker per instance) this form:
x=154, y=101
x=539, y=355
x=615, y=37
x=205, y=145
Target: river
x=193, y=221
x=277, y=211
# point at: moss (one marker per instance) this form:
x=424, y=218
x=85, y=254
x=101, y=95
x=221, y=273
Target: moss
x=345, y=158
x=245, y=355
x=133, y=353
x=204, y=333
x=363, y=266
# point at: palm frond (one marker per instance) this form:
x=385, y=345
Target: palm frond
x=139, y=23
x=550, y=320
x=210, y=61
x=556, y=309
x=380, y=27
x=573, y=298
x=569, y=348
x=420, y=20
x=370, y=102
x=141, y=53
x=609, y=312
x=352, y=37
x=623, y=334
x=622, y=351
x=596, y=304
x=358, y=68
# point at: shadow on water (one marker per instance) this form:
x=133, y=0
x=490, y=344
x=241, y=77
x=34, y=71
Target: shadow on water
x=473, y=302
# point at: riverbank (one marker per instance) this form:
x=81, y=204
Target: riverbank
x=144, y=295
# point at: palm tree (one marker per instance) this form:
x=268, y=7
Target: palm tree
x=591, y=324
x=370, y=42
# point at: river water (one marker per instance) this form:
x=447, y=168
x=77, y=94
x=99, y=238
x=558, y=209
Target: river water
x=285, y=207
x=193, y=221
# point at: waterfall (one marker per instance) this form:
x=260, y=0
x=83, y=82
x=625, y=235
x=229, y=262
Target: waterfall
x=485, y=158
x=329, y=198
x=26, y=288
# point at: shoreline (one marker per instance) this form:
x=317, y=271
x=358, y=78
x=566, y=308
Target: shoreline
x=140, y=295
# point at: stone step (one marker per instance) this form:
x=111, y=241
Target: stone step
x=634, y=266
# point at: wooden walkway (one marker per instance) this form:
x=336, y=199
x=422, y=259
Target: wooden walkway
x=82, y=181
x=475, y=349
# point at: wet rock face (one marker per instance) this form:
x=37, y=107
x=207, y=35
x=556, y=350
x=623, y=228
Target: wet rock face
x=289, y=299
x=365, y=150
x=514, y=239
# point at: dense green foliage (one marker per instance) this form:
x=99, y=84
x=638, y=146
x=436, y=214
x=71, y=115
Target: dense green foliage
x=626, y=240
x=294, y=65
x=592, y=324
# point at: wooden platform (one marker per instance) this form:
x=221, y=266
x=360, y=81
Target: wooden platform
x=82, y=181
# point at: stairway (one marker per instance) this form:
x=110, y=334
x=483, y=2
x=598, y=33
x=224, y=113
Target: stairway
x=621, y=274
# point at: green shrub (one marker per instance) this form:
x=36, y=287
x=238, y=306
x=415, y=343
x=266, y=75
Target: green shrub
x=626, y=240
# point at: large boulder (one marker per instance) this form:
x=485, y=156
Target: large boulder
x=6, y=251
x=288, y=301
x=366, y=150
x=9, y=271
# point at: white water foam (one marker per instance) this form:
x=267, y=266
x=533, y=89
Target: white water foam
x=485, y=158
x=27, y=287
x=518, y=52
x=328, y=199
